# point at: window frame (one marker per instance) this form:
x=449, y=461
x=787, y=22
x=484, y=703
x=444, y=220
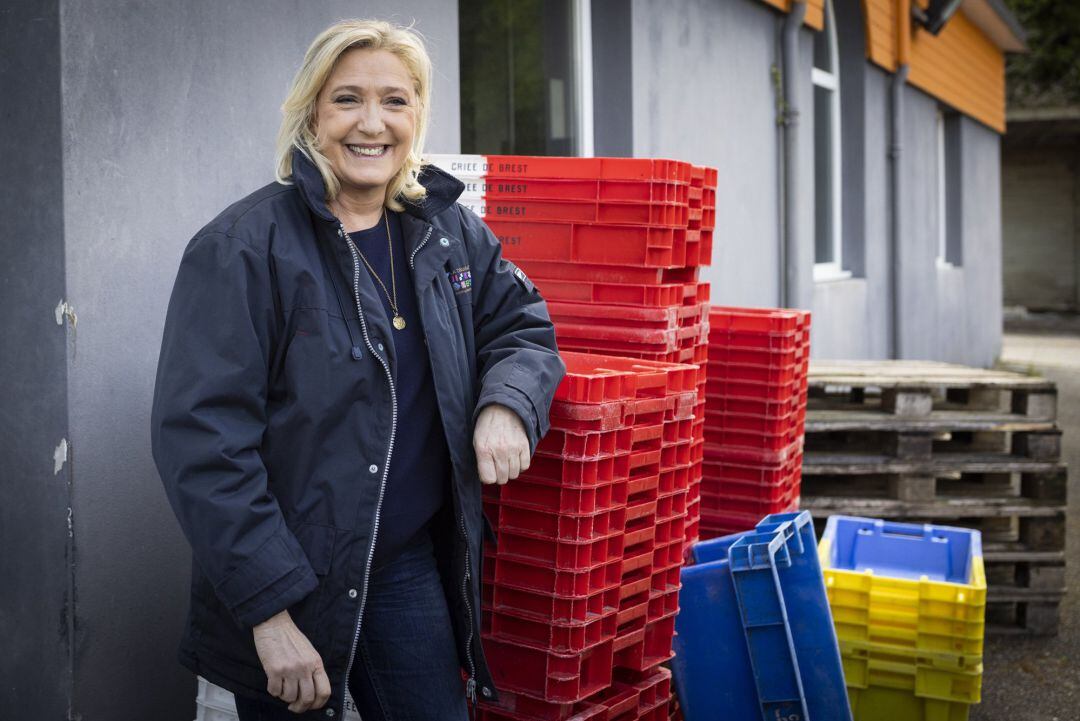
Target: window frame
x=829, y=80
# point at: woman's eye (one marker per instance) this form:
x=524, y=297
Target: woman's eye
x=397, y=101
x=345, y=99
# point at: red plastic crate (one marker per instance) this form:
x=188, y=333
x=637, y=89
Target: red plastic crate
x=664, y=602
x=561, y=526
x=581, y=417
x=617, y=338
x=757, y=320
x=550, y=635
x=552, y=496
x=748, y=423
x=751, y=390
x=674, y=479
x=714, y=451
x=557, y=553
x=739, y=475
x=780, y=375
x=665, y=318
x=653, y=649
x=647, y=437
x=625, y=212
x=762, y=408
x=585, y=446
x=646, y=295
x=553, y=607
x=603, y=243
x=767, y=442
x=668, y=556
x=522, y=574
x=671, y=505
x=565, y=678
x=575, y=473
x=518, y=707
x=532, y=166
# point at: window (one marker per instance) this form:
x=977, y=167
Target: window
x=949, y=201
x=828, y=233
x=526, y=77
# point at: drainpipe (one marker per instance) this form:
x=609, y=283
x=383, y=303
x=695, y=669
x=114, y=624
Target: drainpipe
x=792, y=289
x=896, y=128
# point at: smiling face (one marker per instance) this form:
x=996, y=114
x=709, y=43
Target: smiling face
x=365, y=121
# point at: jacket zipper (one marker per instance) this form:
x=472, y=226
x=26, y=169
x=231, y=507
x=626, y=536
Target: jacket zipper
x=470, y=685
x=389, y=450
x=423, y=242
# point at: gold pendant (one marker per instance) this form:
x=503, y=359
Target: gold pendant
x=399, y=322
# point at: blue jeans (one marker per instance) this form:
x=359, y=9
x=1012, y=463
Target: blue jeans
x=406, y=665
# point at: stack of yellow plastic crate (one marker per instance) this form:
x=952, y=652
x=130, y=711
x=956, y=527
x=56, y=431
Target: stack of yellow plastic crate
x=908, y=602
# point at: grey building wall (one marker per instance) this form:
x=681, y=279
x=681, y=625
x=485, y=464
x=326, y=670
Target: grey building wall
x=167, y=114
x=704, y=92
x=1041, y=207
x=35, y=558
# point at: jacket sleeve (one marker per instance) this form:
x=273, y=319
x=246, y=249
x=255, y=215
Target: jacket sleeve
x=517, y=359
x=207, y=422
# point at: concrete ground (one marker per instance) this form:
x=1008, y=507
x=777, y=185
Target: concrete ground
x=1038, y=679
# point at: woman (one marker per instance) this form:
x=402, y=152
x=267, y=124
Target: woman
x=346, y=357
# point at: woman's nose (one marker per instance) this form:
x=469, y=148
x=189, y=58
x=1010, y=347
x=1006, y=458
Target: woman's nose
x=370, y=120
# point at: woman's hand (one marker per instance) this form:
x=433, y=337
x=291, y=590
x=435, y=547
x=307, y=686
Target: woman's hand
x=293, y=667
x=502, y=448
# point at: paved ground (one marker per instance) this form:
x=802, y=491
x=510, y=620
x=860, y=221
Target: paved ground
x=1038, y=679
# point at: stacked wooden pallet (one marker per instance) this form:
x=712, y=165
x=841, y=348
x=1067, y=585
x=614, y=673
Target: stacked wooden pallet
x=946, y=444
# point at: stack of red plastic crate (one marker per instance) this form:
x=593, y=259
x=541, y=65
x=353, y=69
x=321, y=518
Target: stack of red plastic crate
x=580, y=589
x=615, y=246
x=755, y=412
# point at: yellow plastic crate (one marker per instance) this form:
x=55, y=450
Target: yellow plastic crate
x=947, y=677
x=890, y=704
x=915, y=613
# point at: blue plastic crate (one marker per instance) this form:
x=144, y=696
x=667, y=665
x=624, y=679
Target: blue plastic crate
x=902, y=550
x=755, y=635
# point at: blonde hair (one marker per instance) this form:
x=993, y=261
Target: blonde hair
x=298, y=124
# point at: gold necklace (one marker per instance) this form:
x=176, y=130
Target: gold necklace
x=398, y=321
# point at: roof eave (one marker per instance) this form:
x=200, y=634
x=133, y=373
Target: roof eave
x=997, y=22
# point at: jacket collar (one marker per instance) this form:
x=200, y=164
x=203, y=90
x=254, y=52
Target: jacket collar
x=443, y=189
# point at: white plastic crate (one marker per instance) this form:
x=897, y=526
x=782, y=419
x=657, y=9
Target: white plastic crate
x=213, y=703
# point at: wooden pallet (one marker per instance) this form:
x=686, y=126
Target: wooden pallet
x=928, y=442
x=928, y=391
x=1037, y=524
x=934, y=480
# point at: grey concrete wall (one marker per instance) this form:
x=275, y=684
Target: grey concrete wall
x=703, y=92
x=950, y=313
x=169, y=114
x=34, y=553
x=969, y=310
x=1039, y=192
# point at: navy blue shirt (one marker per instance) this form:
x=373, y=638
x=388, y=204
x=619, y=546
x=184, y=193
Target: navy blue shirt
x=420, y=465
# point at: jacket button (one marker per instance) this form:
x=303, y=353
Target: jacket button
x=353, y=593
x=381, y=347
x=330, y=712
x=373, y=468
x=486, y=692
x=444, y=242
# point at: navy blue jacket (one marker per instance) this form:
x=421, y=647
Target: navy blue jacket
x=275, y=415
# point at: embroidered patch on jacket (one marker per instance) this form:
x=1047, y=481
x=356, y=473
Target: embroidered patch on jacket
x=461, y=280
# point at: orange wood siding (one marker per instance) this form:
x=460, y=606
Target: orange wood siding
x=815, y=11
x=881, y=32
x=962, y=68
